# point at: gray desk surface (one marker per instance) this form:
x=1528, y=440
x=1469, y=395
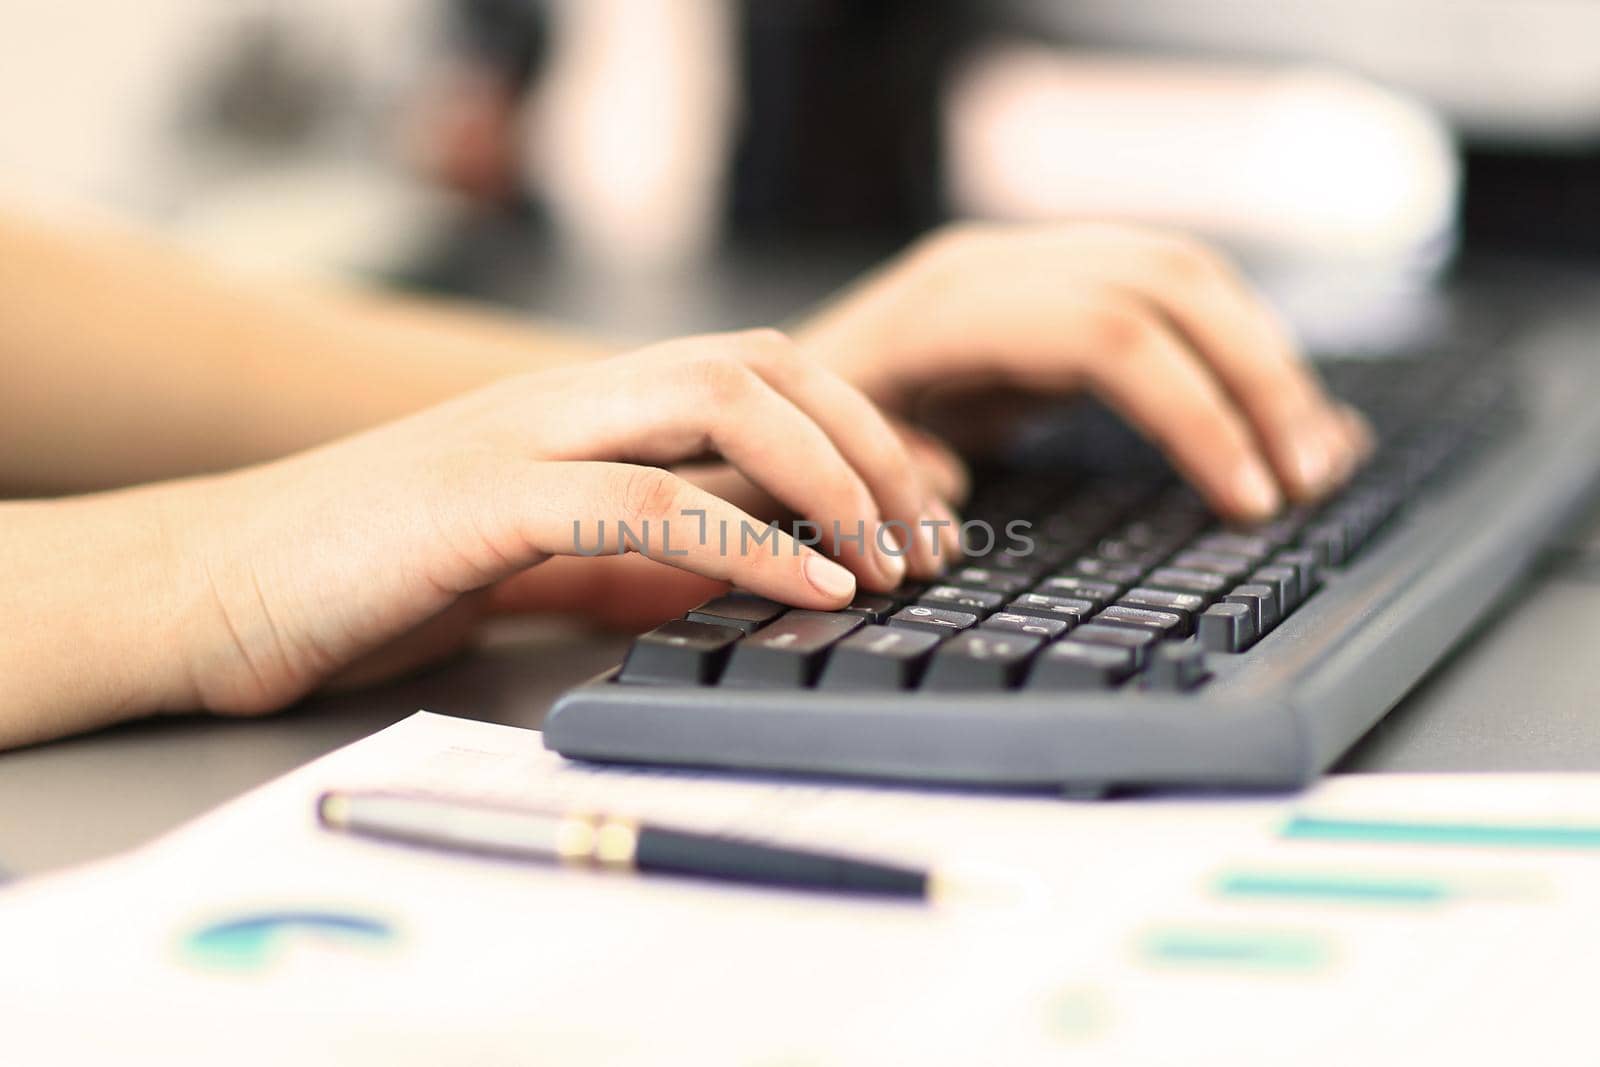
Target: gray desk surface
x=1517, y=697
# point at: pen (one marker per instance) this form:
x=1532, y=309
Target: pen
x=607, y=842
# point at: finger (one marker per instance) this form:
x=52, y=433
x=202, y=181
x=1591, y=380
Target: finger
x=1240, y=338
x=1043, y=335
x=1160, y=387
x=944, y=471
x=941, y=469
x=1360, y=432
x=868, y=443
x=679, y=399
x=947, y=475
x=590, y=508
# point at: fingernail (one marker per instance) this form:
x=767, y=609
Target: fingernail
x=1361, y=430
x=1254, y=490
x=1345, y=451
x=828, y=578
x=891, y=555
x=949, y=535
x=1311, y=461
x=930, y=541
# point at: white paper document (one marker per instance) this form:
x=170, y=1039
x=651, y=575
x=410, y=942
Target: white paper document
x=1372, y=919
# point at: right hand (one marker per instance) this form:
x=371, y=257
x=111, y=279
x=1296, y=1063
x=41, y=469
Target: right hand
x=388, y=546
x=1162, y=328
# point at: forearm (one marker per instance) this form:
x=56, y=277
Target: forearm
x=93, y=602
x=123, y=361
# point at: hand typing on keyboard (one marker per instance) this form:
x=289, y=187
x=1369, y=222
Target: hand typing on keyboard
x=1140, y=638
x=436, y=511
x=1159, y=326
x=243, y=591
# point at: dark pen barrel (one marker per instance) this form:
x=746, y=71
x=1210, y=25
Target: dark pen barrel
x=749, y=861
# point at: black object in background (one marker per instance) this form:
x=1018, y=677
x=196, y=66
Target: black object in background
x=841, y=114
x=509, y=36
x=1532, y=202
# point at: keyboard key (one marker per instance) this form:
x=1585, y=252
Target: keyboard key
x=1036, y=625
x=1031, y=564
x=1254, y=548
x=871, y=606
x=679, y=652
x=1073, y=664
x=1304, y=563
x=1228, y=565
x=1327, y=541
x=1120, y=574
x=990, y=579
x=742, y=611
x=1263, y=605
x=1176, y=667
x=1078, y=588
x=980, y=660
x=1162, y=623
x=1227, y=627
x=1135, y=640
x=1118, y=550
x=974, y=601
x=878, y=658
x=1201, y=583
x=941, y=621
x=1052, y=607
x=1281, y=531
x=787, y=654
x=1284, y=581
x=1184, y=605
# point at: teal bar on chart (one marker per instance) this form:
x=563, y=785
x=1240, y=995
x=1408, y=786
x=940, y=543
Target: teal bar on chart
x=1235, y=949
x=1485, y=835
x=1332, y=888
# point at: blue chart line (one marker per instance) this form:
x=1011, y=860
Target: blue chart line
x=1484, y=835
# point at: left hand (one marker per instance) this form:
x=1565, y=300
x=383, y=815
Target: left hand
x=633, y=592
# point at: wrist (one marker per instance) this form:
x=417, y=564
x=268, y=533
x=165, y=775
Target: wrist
x=94, y=604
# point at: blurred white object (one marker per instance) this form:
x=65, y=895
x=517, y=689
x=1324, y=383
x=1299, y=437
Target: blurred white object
x=97, y=100
x=102, y=107
x=320, y=219
x=1500, y=69
x=631, y=128
x=1295, y=167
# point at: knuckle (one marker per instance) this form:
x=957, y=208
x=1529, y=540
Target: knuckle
x=767, y=349
x=724, y=379
x=648, y=492
x=765, y=339
x=1116, y=328
x=1186, y=261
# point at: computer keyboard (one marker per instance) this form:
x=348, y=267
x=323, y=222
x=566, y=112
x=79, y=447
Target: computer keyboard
x=1138, y=640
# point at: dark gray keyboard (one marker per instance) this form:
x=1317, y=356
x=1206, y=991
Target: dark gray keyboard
x=1138, y=640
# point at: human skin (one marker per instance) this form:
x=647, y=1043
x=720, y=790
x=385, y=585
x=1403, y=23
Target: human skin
x=330, y=489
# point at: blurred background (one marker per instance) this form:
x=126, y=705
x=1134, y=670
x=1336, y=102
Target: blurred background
x=655, y=166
